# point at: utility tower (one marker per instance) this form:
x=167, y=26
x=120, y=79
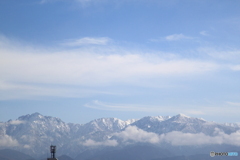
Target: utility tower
x=53, y=151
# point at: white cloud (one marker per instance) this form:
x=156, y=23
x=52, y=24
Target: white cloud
x=30, y=91
x=229, y=54
x=88, y=41
x=83, y=3
x=137, y=135
x=91, y=142
x=176, y=138
x=181, y=139
x=235, y=67
x=85, y=68
x=7, y=141
x=16, y=122
x=234, y=103
x=176, y=37
x=133, y=134
x=209, y=110
x=204, y=33
x=96, y=104
x=27, y=146
x=47, y=1
x=120, y=107
x=24, y=69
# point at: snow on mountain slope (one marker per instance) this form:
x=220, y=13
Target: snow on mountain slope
x=150, y=123
x=33, y=133
x=182, y=123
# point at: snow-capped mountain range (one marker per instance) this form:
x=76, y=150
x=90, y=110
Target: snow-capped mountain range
x=34, y=133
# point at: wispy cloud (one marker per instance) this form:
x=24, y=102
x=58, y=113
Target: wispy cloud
x=139, y=108
x=176, y=37
x=235, y=67
x=234, y=103
x=28, y=70
x=15, y=90
x=48, y=1
x=87, y=41
x=118, y=107
x=83, y=3
x=228, y=54
x=204, y=33
x=173, y=37
x=84, y=66
x=188, y=109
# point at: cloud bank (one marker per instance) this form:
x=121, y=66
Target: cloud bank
x=137, y=135
x=91, y=142
x=84, y=67
x=7, y=141
x=176, y=138
x=28, y=71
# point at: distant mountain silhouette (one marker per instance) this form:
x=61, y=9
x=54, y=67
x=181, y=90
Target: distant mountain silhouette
x=9, y=154
x=64, y=157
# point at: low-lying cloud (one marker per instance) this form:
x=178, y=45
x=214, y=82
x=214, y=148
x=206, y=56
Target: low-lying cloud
x=16, y=122
x=137, y=135
x=8, y=141
x=176, y=138
x=91, y=142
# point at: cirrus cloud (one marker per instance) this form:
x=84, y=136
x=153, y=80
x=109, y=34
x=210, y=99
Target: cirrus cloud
x=87, y=41
x=80, y=67
x=28, y=71
x=176, y=37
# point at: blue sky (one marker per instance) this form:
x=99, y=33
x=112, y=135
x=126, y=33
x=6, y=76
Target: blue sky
x=85, y=59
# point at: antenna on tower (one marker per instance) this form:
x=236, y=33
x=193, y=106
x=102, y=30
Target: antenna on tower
x=52, y=151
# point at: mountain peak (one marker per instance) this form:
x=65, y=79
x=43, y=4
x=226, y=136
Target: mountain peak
x=33, y=116
x=182, y=115
x=107, y=124
x=36, y=114
x=180, y=118
x=161, y=118
x=155, y=118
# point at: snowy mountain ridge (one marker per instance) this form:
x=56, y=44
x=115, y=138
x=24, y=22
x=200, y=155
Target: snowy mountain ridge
x=33, y=133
